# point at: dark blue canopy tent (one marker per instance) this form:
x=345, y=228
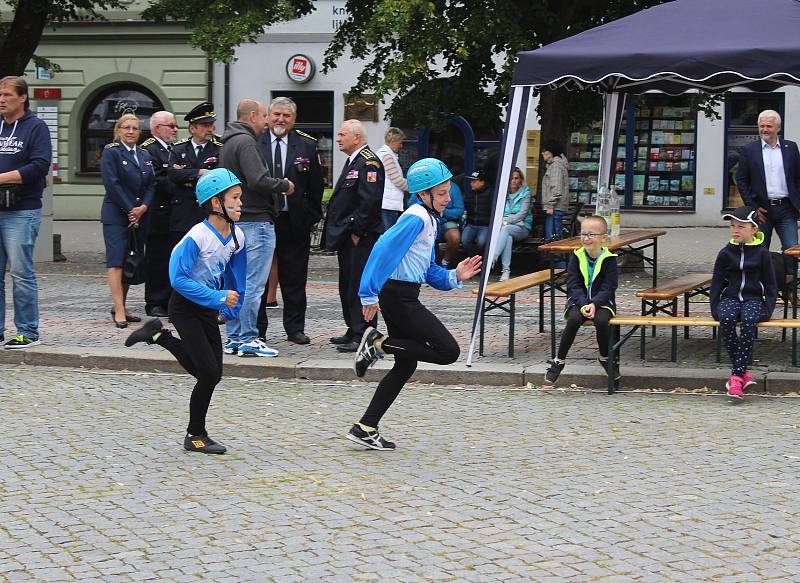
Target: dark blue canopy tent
x=680, y=46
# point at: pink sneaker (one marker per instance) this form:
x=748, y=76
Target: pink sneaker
x=735, y=386
x=748, y=379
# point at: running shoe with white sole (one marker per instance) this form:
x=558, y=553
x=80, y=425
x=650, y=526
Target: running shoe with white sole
x=256, y=348
x=370, y=439
x=231, y=347
x=20, y=342
x=367, y=353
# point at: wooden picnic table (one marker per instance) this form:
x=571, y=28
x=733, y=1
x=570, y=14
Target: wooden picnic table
x=626, y=243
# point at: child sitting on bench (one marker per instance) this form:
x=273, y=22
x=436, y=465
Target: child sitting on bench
x=591, y=287
x=743, y=289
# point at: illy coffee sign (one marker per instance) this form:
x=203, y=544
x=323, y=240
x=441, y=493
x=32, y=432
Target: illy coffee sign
x=300, y=68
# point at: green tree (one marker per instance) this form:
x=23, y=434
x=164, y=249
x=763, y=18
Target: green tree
x=411, y=44
x=217, y=27
x=20, y=35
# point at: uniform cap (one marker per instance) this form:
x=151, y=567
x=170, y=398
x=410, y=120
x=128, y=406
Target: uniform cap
x=203, y=113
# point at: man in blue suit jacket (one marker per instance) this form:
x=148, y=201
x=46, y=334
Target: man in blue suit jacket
x=768, y=177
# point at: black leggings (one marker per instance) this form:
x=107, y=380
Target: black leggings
x=199, y=352
x=414, y=334
x=574, y=321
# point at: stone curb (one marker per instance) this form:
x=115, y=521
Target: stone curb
x=487, y=374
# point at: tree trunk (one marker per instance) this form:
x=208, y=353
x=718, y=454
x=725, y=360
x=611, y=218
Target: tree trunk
x=23, y=36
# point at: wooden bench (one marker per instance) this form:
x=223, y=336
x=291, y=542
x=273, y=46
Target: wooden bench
x=501, y=296
x=664, y=300
x=637, y=322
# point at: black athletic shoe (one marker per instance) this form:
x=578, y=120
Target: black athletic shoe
x=145, y=333
x=604, y=363
x=551, y=376
x=202, y=444
x=370, y=439
x=367, y=353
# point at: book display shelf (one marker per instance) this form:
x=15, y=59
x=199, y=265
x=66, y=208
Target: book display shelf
x=656, y=153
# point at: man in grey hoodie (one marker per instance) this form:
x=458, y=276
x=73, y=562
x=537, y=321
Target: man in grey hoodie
x=241, y=155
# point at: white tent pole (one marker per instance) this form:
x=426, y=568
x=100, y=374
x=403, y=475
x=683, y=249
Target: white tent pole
x=613, y=106
x=516, y=113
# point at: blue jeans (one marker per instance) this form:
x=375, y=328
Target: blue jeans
x=473, y=238
x=259, y=237
x=552, y=226
x=18, y=232
x=505, y=243
x=389, y=218
x=780, y=219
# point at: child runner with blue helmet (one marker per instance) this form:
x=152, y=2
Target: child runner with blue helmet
x=401, y=261
x=211, y=252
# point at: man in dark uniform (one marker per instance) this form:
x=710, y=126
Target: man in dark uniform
x=353, y=224
x=191, y=158
x=292, y=154
x=156, y=284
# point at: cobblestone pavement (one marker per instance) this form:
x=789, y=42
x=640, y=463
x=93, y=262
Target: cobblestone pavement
x=75, y=308
x=509, y=485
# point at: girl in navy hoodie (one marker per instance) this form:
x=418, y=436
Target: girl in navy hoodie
x=743, y=289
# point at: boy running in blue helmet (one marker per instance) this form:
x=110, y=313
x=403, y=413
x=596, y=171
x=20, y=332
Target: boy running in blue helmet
x=210, y=253
x=401, y=261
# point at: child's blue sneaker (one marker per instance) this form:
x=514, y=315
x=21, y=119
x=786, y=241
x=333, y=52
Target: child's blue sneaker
x=231, y=347
x=256, y=348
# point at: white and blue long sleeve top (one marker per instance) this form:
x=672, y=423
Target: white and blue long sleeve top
x=406, y=253
x=201, y=260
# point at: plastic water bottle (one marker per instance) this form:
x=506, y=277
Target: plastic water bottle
x=613, y=203
x=603, y=206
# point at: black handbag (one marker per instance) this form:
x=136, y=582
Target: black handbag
x=133, y=266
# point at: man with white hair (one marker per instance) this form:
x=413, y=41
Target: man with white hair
x=157, y=290
x=768, y=177
x=353, y=224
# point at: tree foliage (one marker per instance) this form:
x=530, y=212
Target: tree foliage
x=471, y=43
x=217, y=26
x=20, y=36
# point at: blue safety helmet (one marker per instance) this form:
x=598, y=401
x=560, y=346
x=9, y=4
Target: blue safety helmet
x=214, y=182
x=427, y=173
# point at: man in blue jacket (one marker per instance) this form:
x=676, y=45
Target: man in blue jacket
x=25, y=157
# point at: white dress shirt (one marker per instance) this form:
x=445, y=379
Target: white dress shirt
x=773, y=170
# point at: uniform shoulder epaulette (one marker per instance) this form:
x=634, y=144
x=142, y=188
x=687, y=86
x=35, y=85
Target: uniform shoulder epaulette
x=217, y=141
x=112, y=145
x=147, y=142
x=305, y=135
x=367, y=154
x=183, y=141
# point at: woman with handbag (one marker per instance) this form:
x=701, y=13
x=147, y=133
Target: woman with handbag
x=129, y=180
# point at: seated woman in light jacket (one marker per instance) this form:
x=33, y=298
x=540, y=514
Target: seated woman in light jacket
x=129, y=180
x=517, y=221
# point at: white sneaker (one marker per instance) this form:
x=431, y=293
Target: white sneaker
x=231, y=347
x=256, y=347
x=505, y=275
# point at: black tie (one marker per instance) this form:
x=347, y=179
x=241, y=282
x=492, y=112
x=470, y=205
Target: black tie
x=199, y=150
x=278, y=172
x=278, y=164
